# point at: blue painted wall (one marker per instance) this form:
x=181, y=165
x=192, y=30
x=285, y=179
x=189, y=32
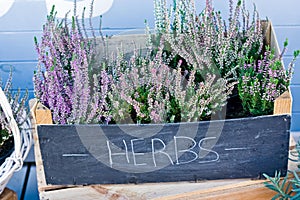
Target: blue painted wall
x=24, y=20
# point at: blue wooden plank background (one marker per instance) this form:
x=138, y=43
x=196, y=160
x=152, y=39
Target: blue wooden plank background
x=24, y=20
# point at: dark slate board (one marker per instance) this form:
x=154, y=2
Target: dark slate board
x=246, y=148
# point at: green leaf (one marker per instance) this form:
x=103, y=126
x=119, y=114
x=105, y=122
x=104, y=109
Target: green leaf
x=73, y=23
x=296, y=197
x=296, y=190
x=276, y=196
x=35, y=40
x=296, y=176
x=296, y=53
x=286, y=42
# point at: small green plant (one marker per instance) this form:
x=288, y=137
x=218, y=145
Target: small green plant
x=279, y=185
x=287, y=188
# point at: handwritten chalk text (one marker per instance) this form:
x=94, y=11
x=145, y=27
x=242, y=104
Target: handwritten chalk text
x=182, y=145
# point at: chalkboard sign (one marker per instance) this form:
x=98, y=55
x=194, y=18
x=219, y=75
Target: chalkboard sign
x=96, y=154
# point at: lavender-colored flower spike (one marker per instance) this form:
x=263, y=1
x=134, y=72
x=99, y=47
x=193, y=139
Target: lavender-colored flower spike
x=62, y=80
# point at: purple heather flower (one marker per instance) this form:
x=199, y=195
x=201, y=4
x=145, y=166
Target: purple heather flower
x=62, y=81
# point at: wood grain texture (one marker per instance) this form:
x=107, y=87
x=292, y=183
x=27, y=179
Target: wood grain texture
x=40, y=113
x=257, y=192
x=283, y=104
x=95, y=192
x=246, y=190
x=40, y=172
x=8, y=195
x=163, y=191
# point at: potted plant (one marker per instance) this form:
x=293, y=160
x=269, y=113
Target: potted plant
x=162, y=111
x=287, y=187
x=15, y=132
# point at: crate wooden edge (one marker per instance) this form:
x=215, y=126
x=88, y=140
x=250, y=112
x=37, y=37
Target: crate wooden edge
x=283, y=104
x=40, y=172
x=248, y=188
x=108, y=192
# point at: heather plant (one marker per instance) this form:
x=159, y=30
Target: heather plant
x=148, y=90
x=262, y=81
x=232, y=49
x=62, y=80
x=17, y=103
x=139, y=90
x=206, y=41
x=190, y=69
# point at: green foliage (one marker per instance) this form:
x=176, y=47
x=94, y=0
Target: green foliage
x=262, y=81
x=192, y=64
x=282, y=187
x=232, y=49
x=147, y=90
x=206, y=41
x=289, y=186
x=4, y=135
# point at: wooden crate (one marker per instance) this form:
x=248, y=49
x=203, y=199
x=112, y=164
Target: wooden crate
x=217, y=189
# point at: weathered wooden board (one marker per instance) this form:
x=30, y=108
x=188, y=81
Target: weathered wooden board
x=222, y=189
x=96, y=154
x=282, y=104
x=245, y=190
x=8, y=195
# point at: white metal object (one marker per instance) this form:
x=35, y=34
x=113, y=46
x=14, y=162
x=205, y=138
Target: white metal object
x=22, y=143
x=64, y=6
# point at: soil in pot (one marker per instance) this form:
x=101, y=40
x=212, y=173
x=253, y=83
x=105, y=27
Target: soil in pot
x=234, y=107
